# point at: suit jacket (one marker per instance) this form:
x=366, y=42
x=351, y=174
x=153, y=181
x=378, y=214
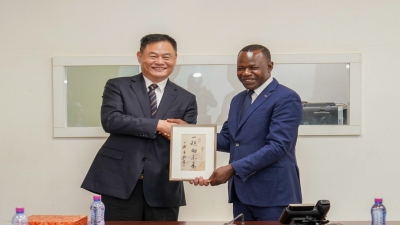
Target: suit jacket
x=262, y=147
x=134, y=145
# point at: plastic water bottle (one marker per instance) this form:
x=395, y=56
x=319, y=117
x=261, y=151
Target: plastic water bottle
x=20, y=218
x=378, y=213
x=97, y=209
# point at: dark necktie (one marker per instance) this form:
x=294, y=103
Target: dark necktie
x=246, y=103
x=153, y=99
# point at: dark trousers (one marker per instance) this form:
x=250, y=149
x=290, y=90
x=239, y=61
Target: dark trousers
x=135, y=208
x=254, y=213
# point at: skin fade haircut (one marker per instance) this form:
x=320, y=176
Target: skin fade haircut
x=252, y=48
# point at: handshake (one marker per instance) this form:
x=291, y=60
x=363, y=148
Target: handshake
x=219, y=176
x=164, y=126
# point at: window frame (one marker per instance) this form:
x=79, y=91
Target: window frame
x=60, y=128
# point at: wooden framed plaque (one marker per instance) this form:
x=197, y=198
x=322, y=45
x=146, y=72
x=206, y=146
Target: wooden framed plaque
x=193, y=151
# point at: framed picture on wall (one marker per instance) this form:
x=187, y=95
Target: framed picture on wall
x=193, y=151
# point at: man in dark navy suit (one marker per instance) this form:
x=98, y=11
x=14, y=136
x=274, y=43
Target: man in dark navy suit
x=131, y=169
x=260, y=135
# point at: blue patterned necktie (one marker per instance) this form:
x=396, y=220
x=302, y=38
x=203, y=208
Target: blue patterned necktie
x=153, y=99
x=246, y=103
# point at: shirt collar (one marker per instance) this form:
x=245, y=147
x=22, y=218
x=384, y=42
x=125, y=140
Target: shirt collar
x=258, y=90
x=161, y=85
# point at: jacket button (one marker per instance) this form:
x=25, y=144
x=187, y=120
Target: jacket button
x=237, y=144
x=144, y=158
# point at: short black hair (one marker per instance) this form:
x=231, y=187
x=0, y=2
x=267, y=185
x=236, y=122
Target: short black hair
x=255, y=47
x=152, y=38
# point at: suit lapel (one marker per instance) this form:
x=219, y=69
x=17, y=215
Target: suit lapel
x=139, y=87
x=167, y=99
x=261, y=98
x=239, y=107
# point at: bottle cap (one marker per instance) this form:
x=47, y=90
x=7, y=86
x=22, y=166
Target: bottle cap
x=19, y=210
x=378, y=200
x=97, y=197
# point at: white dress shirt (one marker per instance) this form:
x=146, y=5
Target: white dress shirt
x=159, y=90
x=260, y=89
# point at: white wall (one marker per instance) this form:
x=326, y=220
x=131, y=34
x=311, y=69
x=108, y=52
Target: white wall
x=43, y=173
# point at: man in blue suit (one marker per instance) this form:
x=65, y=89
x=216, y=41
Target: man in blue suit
x=131, y=169
x=260, y=135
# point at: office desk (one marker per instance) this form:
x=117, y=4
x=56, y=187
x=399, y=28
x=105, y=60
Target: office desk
x=222, y=222
x=188, y=223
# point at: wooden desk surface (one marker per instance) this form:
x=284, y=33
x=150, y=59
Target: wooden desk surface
x=222, y=222
x=188, y=223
